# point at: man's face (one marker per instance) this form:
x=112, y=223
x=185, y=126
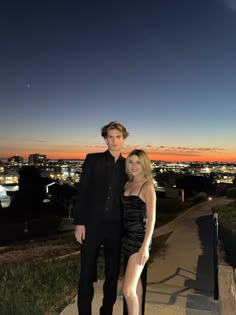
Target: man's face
x=114, y=140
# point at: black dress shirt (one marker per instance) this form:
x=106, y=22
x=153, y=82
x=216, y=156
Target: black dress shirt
x=101, y=184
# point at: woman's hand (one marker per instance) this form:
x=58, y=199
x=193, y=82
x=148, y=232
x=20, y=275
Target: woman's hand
x=143, y=255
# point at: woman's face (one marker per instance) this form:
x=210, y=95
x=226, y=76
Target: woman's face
x=134, y=166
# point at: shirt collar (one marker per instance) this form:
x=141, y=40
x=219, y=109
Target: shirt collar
x=110, y=156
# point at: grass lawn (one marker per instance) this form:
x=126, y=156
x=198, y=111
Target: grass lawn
x=33, y=285
x=227, y=230
x=45, y=288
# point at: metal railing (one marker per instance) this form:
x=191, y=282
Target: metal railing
x=215, y=254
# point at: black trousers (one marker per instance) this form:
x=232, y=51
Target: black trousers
x=109, y=235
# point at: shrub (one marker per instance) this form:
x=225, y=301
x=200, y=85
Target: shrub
x=168, y=206
x=231, y=192
x=201, y=197
x=227, y=230
x=168, y=209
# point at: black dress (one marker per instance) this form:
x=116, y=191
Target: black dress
x=134, y=224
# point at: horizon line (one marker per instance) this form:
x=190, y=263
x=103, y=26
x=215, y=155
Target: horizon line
x=151, y=159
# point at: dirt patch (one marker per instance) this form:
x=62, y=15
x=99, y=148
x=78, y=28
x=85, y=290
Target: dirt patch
x=39, y=252
x=35, y=254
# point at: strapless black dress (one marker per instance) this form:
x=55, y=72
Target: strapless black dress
x=134, y=223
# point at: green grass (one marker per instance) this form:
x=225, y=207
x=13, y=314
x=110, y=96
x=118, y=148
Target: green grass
x=66, y=238
x=34, y=288
x=45, y=288
x=227, y=230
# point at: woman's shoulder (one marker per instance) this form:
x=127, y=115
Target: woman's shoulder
x=148, y=186
x=148, y=183
x=147, y=191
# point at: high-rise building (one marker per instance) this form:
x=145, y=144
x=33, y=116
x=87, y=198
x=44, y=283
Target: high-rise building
x=37, y=159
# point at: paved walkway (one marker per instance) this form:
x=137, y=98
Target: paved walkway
x=181, y=277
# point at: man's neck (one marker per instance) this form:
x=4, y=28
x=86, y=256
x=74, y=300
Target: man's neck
x=116, y=154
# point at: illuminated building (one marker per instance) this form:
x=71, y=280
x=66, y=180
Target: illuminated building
x=37, y=159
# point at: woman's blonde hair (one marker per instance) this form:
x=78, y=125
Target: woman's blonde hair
x=144, y=161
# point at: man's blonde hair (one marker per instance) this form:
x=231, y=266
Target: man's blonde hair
x=114, y=125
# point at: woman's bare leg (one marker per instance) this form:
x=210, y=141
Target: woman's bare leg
x=139, y=292
x=132, y=286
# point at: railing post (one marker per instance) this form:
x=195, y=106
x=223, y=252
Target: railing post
x=215, y=255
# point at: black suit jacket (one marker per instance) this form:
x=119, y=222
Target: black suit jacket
x=93, y=187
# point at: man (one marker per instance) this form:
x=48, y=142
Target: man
x=98, y=218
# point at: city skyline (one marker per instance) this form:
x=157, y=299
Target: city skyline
x=166, y=70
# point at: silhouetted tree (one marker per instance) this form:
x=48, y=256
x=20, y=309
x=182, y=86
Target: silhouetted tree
x=234, y=181
x=64, y=196
x=28, y=200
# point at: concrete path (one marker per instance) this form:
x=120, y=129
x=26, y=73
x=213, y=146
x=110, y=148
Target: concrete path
x=181, y=277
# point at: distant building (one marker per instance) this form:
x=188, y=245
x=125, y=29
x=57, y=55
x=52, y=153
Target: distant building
x=6, y=193
x=11, y=177
x=16, y=160
x=2, y=168
x=37, y=159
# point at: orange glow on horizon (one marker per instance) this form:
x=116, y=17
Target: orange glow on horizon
x=162, y=157
x=193, y=159
x=152, y=157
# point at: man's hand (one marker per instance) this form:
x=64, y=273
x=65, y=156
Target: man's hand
x=80, y=233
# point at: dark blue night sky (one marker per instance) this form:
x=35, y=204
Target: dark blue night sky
x=166, y=69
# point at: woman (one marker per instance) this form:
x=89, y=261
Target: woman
x=139, y=203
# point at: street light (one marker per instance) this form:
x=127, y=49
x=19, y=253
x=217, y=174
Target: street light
x=49, y=185
x=47, y=191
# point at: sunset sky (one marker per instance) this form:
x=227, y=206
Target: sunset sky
x=166, y=69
